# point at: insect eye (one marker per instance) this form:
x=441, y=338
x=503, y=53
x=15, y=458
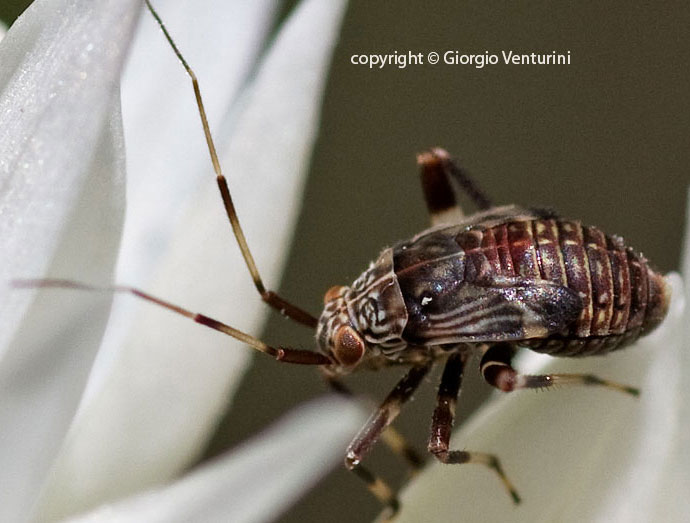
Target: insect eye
x=349, y=346
x=332, y=293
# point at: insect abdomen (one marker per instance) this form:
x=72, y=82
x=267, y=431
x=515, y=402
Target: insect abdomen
x=622, y=297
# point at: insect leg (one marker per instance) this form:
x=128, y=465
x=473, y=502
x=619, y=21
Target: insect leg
x=283, y=354
x=374, y=427
x=391, y=437
x=441, y=180
x=271, y=298
x=497, y=371
x=442, y=424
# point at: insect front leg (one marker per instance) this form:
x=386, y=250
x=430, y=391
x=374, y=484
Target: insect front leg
x=390, y=436
x=442, y=425
x=497, y=371
x=375, y=426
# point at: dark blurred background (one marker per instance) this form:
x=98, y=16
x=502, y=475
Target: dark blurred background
x=604, y=139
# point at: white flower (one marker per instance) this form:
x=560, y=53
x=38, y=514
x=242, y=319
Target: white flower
x=160, y=381
x=580, y=454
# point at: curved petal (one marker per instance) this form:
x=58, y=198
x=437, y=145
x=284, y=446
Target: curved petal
x=61, y=201
x=166, y=386
x=258, y=480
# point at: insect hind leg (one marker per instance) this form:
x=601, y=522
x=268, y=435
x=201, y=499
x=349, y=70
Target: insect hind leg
x=442, y=180
x=496, y=369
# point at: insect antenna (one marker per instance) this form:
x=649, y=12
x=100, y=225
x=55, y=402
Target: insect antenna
x=271, y=298
x=284, y=354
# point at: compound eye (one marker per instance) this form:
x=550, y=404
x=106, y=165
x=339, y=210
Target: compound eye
x=332, y=294
x=349, y=346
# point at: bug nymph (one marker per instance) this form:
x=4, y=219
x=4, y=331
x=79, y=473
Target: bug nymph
x=487, y=284
x=504, y=275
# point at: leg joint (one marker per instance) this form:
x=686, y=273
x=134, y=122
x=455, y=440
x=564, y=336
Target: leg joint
x=352, y=461
x=500, y=376
x=440, y=454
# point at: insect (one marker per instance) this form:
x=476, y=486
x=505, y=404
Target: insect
x=489, y=283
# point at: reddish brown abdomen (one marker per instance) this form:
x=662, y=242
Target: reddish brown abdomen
x=622, y=296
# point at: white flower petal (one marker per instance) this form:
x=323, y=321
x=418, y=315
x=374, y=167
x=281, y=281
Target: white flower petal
x=61, y=201
x=171, y=380
x=258, y=480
